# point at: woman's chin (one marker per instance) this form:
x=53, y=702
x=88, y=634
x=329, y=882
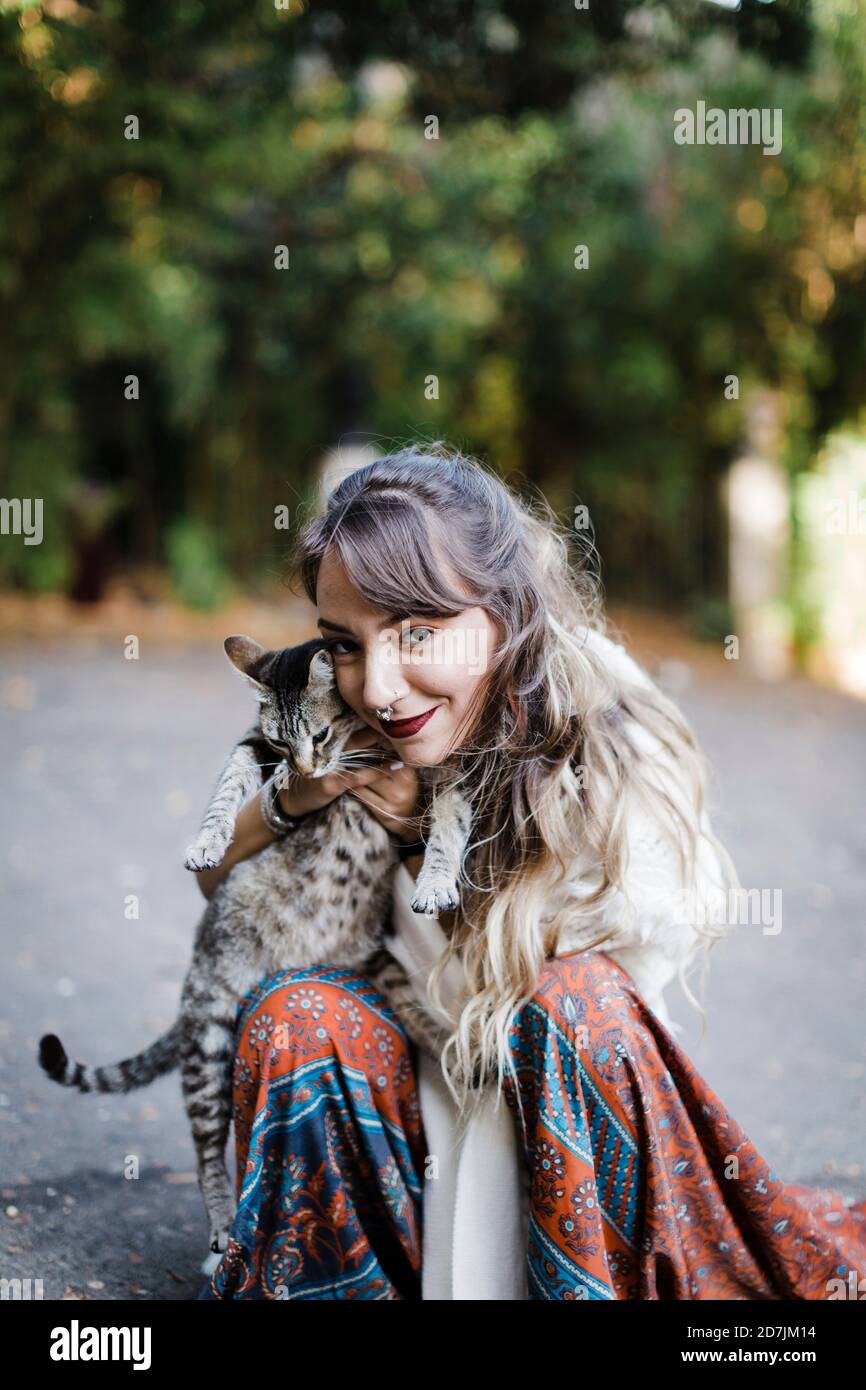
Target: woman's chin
x=419, y=751
x=409, y=753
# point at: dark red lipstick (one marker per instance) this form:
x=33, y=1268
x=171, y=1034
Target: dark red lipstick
x=405, y=728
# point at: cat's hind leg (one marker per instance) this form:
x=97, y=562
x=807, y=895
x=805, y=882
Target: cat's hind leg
x=207, y=1054
x=392, y=982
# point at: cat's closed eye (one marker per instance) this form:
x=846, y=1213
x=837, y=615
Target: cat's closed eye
x=321, y=738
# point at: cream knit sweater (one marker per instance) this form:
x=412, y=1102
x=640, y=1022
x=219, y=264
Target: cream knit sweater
x=476, y=1201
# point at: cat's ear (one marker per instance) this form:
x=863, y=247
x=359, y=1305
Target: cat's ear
x=245, y=655
x=322, y=670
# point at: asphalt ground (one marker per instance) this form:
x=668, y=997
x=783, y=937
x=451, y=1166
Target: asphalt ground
x=107, y=767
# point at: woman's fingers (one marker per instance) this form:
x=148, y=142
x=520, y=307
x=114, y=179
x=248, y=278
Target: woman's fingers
x=313, y=793
x=393, y=796
x=389, y=788
x=362, y=748
x=365, y=738
x=350, y=780
x=395, y=816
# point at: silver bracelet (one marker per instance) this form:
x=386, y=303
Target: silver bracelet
x=273, y=815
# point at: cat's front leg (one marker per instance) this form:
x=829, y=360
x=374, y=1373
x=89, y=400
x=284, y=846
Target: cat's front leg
x=240, y=777
x=436, y=888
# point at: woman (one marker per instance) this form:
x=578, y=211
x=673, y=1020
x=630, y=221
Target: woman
x=464, y=638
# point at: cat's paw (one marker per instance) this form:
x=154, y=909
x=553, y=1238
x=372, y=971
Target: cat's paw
x=221, y=1209
x=210, y=1263
x=204, y=854
x=219, y=1239
x=431, y=898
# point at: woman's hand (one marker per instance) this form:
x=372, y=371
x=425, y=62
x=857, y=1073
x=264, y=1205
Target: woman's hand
x=389, y=792
x=392, y=797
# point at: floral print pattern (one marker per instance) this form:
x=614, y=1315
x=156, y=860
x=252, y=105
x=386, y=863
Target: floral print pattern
x=643, y=1186
x=633, y=1191
x=328, y=1143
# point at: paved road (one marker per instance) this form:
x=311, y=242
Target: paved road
x=107, y=765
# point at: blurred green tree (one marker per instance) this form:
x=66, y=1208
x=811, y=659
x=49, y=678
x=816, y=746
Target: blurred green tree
x=151, y=339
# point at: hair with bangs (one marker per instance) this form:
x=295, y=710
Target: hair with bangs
x=544, y=755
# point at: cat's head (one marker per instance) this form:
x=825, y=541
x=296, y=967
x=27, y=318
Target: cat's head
x=302, y=715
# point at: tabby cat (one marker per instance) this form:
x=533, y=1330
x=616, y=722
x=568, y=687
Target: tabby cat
x=319, y=895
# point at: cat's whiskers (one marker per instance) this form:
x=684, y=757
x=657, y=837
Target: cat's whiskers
x=351, y=764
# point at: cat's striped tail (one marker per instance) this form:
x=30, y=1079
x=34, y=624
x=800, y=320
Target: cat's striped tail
x=162, y=1056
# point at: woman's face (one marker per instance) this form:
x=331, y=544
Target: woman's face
x=419, y=666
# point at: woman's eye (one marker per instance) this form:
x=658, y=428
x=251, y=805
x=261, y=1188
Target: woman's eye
x=414, y=639
x=411, y=638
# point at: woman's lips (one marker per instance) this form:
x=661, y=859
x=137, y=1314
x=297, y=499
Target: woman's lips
x=405, y=728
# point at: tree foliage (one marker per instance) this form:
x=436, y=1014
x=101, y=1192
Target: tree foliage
x=413, y=258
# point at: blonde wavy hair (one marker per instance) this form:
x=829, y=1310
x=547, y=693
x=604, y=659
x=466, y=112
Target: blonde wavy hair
x=548, y=730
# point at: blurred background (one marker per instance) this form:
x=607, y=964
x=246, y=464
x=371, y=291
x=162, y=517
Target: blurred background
x=247, y=244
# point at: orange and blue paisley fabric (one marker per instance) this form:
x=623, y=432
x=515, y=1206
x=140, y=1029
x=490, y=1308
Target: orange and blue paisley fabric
x=643, y=1186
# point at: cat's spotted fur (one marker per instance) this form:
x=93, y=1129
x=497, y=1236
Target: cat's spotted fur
x=320, y=895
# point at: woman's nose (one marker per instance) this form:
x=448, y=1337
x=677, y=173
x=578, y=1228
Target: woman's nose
x=383, y=680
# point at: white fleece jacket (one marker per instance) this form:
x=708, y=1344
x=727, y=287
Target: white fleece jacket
x=476, y=1205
